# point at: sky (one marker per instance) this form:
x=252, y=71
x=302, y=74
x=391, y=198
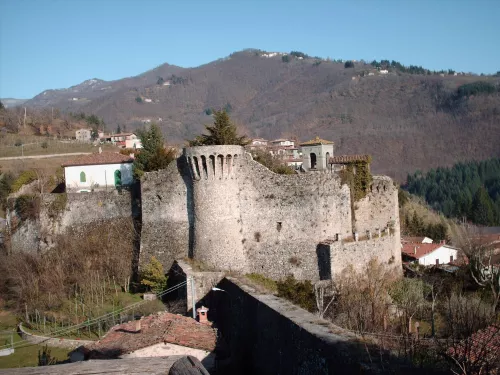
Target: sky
x=49, y=44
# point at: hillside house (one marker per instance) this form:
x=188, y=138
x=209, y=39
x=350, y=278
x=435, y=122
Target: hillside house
x=98, y=171
x=429, y=254
x=83, y=135
x=124, y=140
x=282, y=143
x=316, y=153
x=159, y=335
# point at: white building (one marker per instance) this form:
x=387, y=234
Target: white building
x=282, y=143
x=98, y=171
x=125, y=140
x=422, y=239
x=429, y=254
x=316, y=154
x=83, y=135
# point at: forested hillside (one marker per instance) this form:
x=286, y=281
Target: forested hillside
x=470, y=190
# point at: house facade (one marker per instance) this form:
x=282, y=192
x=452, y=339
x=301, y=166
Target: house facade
x=429, y=254
x=83, y=135
x=98, y=171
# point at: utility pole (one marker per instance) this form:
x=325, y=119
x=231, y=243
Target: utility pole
x=193, y=301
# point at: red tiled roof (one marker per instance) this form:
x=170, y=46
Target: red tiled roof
x=343, y=159
x=480, y=348
x=99, y=158
x=412, y=239
x=422, y=249
x=154, y=329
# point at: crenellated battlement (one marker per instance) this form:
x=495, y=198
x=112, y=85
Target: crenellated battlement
x=214, y=162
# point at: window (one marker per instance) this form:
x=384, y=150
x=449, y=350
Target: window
x=451, y=258
x=83, y=178
x=437, y=262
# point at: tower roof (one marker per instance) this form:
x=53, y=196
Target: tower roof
x=316, y=141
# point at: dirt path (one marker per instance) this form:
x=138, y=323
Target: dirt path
x=43, y=156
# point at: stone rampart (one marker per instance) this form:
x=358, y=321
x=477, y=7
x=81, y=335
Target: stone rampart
x=289, y=340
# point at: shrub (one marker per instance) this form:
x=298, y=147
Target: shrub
x=153, y=276
x=24, y=178
x=285, y=58
x=58, y=205
x=263, y=281
x=27, y=207
x=138, y=99
x=300, y=293
x=18, y=143
x=475, y=88
x=45, y=145
x=272, y=163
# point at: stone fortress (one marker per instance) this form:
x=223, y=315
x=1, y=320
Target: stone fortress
x=216, y=205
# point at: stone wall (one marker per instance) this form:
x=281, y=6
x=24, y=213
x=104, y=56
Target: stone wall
x=167, y=222
x=289, y=340
x=50, y=341
x=79, y=210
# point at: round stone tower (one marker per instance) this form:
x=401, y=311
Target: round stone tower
x=217, y=238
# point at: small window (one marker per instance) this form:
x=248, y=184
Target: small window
x=83, y=178
x=451, y=258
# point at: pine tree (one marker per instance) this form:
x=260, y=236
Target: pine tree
x=482, y=208
x=153, y=155
x=222, y=132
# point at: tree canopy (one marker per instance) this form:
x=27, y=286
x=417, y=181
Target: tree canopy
x=470, y=190
x=222, y=132
x=153, y=155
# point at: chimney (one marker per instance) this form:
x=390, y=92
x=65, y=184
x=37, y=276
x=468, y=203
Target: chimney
x=138, y=325
x=203, y=315
x=100, y=150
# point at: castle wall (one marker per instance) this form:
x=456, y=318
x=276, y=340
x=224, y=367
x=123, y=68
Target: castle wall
x=166, y=212
x=216, y=205
x=285, y=217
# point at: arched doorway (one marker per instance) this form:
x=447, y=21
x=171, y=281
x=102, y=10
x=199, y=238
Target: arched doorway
x=118, y=178
x=327, y=160
x=313, y=160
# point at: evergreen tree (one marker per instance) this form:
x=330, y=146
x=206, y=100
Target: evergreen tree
x=153, y=155
x=482, y=208
x=118, y=129
x=222, y=132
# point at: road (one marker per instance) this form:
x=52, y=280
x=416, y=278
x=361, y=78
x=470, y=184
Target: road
x=44, y=156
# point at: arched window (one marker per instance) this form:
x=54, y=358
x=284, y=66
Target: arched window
x=83, y=178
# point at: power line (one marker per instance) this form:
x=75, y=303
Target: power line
x=65, y=330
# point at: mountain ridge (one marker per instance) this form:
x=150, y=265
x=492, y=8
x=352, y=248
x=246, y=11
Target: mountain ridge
x=404, y=120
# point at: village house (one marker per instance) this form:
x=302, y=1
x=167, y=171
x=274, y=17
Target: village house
x=159, y=335
x=429, y=254
x=83, y=135
x=98, y=171
x=124, y=140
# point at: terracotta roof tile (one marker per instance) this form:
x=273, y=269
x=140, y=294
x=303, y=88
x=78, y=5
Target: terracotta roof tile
x=316, y=141
x=417, y=251
x=155, y=329
x=343, y=159
x=484, y=345
x=99, y=158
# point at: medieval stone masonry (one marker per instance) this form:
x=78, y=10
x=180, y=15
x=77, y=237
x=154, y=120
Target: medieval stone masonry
x=216, y=205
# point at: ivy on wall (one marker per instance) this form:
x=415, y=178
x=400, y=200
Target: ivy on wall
x=358, y=176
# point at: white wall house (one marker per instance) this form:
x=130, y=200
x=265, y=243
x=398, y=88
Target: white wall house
x=83, y=135
x=282, y=143
x=429, y=254
x=98, y=171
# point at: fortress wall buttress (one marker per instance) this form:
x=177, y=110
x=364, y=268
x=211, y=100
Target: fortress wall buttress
x=165, y=214
x=380, y=210
x=285, y=217
x=217, y=227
